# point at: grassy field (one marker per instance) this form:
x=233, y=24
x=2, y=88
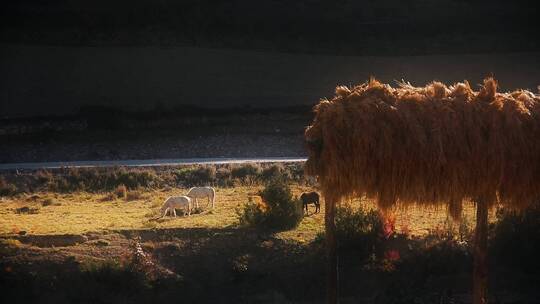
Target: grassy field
x=82, y=212
x=110, y=246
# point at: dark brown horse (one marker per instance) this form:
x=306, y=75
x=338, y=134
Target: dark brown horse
x=310, y=198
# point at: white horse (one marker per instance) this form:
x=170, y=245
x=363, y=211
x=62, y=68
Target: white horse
x=202, y=192
x=176, y=202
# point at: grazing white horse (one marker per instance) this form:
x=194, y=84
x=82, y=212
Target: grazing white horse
x=176, y=202
x=202, y=192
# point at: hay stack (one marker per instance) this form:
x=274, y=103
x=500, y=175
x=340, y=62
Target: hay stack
x=431, y=145
x=435, y=145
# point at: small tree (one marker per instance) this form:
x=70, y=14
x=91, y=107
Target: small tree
x=279, y=210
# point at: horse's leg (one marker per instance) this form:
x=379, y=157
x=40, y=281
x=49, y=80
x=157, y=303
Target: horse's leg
x=174, y=212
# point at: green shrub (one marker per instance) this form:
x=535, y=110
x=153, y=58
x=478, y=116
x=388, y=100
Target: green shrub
x=246, y=172
x=275, y=171
x=296, y=171
x=203, y=175
x=198, y=176
x=252, y=214
x=360, y=229
x=43, y=176
x=279, y=210
x=96, y=179
x=223, y=177
x=223, y=173
x=133, y=179
x=108, y=179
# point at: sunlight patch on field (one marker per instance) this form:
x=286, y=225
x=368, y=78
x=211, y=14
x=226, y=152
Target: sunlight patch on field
x=78, y=213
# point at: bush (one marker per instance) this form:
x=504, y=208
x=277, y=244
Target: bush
x=14, y=243
x=27, y=210
x=246, y=172
x=275, y=171
x=121, y=191
x=95, y=179
x=133, y=179
x=252, y=214
x=223, y=173
x=43, y=176
x=108, y=179
x=360, y=229
x=49, y=202
x=296, y=171
x=203, y=175
x=134, y=195
x=6, y=188
x=223, y=177
x=515, y=239
x=279, y=210
x=198, y=176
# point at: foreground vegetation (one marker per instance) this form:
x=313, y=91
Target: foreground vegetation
x=85, y=244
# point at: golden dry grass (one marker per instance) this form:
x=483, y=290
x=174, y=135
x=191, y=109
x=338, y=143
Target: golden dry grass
x=83, y=212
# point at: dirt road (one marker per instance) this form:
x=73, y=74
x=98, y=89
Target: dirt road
x=147, y=162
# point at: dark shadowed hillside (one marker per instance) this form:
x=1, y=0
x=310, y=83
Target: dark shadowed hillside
x=47, y=80
x=393, y=27
x=58, y=56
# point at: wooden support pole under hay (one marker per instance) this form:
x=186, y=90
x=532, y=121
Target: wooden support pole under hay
x=331, y=250
x=480, y=272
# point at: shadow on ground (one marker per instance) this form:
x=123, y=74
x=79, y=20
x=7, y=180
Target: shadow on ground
x=234, y=265
x=213, y=265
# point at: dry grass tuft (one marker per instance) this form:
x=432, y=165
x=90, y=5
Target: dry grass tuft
x=427, y=145
x=49, y=202
x=134, y=195
x=121, y=191
x=26, y=210
x=108, y=197
x=14, y=243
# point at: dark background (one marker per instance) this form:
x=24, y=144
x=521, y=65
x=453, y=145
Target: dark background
x=62, y=57
x=369, y=27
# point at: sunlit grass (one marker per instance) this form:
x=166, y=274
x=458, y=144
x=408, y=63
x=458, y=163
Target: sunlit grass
x=78, y=213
